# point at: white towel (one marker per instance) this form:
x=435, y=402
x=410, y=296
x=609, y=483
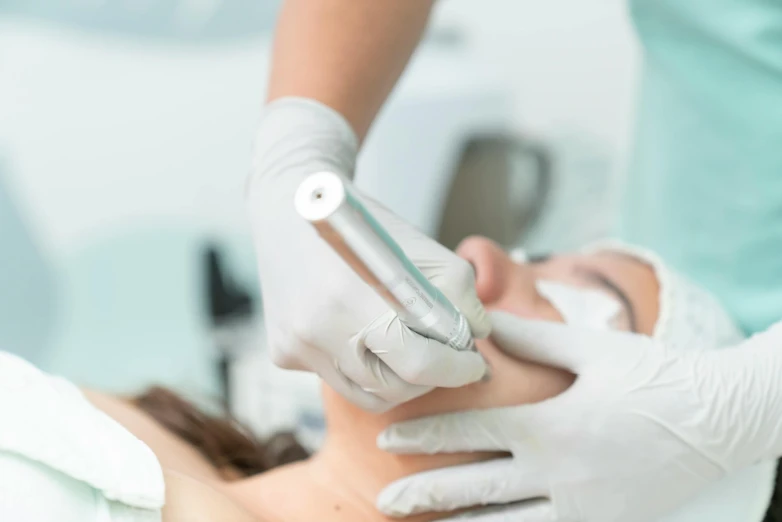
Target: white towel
x=54, y=444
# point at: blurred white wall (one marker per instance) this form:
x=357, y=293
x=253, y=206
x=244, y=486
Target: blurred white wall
x=571, y=63
x=103, y=133
x=571, y=66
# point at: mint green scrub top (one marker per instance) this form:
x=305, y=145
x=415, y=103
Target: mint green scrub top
x=705, y=182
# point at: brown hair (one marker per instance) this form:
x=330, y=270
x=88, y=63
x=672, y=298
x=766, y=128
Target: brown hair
x=223, y=441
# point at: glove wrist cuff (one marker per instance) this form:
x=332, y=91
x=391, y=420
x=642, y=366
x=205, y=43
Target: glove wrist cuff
x=297, y=137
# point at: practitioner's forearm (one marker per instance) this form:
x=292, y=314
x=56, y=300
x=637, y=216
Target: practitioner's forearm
x=347, y=54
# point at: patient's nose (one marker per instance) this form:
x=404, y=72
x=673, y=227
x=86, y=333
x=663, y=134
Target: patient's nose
x=495, y=272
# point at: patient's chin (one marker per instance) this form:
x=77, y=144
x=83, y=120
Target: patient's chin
x=512, y=382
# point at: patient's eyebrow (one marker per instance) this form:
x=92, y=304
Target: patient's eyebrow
x=616, y=290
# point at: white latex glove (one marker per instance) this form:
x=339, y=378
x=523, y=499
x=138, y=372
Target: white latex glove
x=641, y=430
x=319, y=315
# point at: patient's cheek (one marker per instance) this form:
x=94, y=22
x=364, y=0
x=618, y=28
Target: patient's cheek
x=513, y=382
x=517, y=382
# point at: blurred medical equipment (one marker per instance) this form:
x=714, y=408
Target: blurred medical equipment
x=135, y=312
x=550, y=195
x=327, y=201
x=231, y=314
x=499, y=190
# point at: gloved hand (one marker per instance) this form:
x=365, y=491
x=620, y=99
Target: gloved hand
x=641, y=430
x=319, y=315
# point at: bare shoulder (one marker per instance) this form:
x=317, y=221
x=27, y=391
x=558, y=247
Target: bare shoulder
x=190, y=500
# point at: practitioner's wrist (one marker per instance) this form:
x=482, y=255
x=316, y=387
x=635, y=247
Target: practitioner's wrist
x=301, y=136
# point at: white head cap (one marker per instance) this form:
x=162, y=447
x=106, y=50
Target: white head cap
x=689, y=318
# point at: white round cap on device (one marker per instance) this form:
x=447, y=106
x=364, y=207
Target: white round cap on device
x=319, y=196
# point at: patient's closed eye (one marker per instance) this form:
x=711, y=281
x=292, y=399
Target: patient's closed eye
x=607, y=284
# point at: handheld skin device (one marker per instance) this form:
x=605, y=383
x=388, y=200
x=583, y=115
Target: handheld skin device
x=326, y=200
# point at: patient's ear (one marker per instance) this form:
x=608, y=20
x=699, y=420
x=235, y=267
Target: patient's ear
x=190, y=500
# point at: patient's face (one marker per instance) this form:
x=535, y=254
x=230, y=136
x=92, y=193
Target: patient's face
x=350, y=454
x=504, y=285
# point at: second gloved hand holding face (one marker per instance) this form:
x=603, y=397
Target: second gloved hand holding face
x=650, y=421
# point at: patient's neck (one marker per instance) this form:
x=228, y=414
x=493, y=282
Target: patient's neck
x=352, y=434
x=343, y=480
